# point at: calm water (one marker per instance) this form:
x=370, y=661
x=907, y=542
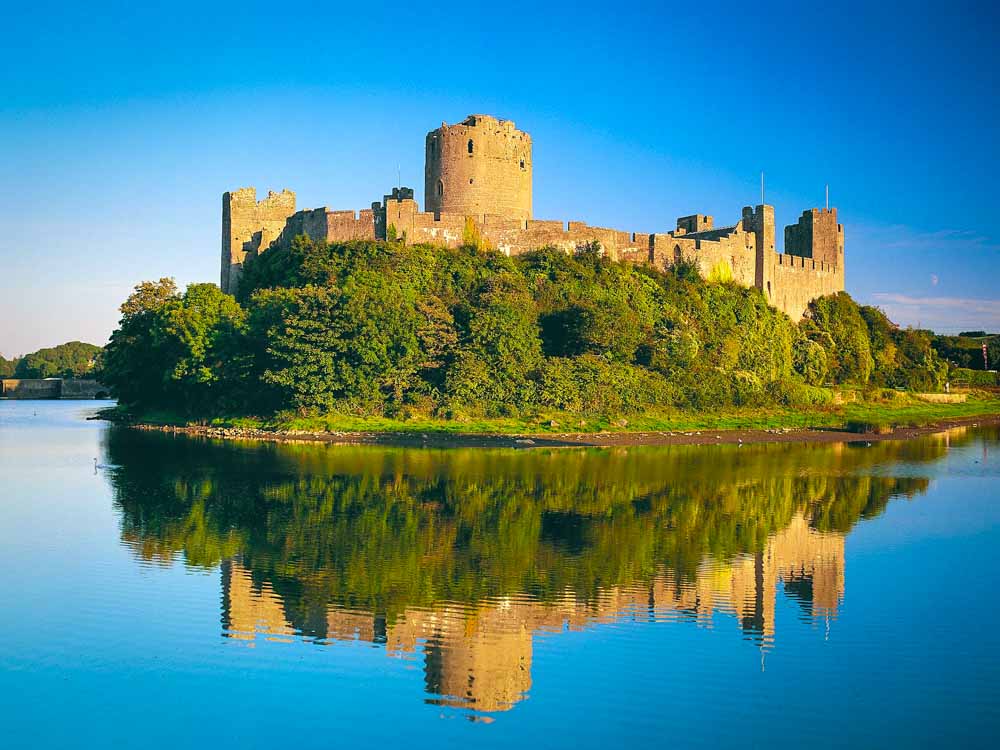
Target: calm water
x=190, y=593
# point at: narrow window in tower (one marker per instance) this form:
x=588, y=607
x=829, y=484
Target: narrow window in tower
x=470, y=145
x=522, y=163
x=440, y=188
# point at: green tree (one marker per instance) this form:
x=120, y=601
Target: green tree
x=136, y=361
x=7, y=367
x=178, y=351
x=903, y=358
x=203, y=337
x=966, y=349
x=74, y=359
x=810, y=361
x=835, y=322
x=500, y=349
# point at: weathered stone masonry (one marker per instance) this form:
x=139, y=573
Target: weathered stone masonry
x=38, y=388
x=250, y=226
x=480, y=171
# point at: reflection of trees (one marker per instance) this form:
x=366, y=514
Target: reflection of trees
x=382, y=529
x=399, y=545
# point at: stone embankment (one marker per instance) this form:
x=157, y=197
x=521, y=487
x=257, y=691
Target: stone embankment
x=52, y=388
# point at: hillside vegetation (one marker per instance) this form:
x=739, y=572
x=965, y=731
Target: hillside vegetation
x=74, y=359
x=965, y=351
x=380, y=329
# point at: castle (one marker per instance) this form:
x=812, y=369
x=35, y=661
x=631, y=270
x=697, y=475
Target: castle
x=479, y=170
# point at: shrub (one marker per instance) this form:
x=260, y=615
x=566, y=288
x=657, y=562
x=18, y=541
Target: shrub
x=593, y=384
x=796, y=393
x=973, y=378
x=809, y=361
x=835, y=322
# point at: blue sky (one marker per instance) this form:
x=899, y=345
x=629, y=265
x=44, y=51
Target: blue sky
x=121, y=127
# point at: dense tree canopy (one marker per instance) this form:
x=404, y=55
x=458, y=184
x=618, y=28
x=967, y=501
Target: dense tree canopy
x=381, y=328
x=903, y=357
x=966, y=349
x=178, y=351
x=74, y=359
x=861, y=345
x=835, y=322
x=7, y=367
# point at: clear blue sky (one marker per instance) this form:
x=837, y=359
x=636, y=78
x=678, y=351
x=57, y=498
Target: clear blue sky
x=121, y=127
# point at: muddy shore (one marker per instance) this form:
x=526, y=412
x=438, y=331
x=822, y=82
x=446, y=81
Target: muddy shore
x=572, y=439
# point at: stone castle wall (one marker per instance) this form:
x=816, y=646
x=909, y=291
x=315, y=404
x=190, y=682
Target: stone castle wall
x=507, y=235
x=479, y=171
x=695, y=223
x=727, y=250
x=791, y=283
x=34, y=388
x=52, y=388
x=250, y=226
x=322, y=224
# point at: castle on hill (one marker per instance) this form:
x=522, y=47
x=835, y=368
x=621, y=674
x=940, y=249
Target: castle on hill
x=479, y=170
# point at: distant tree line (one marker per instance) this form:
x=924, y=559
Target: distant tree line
x=381, y=328
x=966, y=350
x=74, y=359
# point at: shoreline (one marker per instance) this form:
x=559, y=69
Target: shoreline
x=433, y=439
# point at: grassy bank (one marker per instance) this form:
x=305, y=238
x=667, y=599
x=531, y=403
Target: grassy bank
x=858, y=413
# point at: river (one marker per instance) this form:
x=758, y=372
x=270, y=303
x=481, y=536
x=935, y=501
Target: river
x=177, y=591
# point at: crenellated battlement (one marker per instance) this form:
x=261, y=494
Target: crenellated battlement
x=481, y=165
x=479, y=171
x=797, y=261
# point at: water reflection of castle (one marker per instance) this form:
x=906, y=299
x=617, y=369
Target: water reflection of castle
x=461, y=558
x=479, y=656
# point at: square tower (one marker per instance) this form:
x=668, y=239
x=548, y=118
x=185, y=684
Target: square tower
x=694, y=223
x=817, y=235
x=249, y=226
x=759, y=221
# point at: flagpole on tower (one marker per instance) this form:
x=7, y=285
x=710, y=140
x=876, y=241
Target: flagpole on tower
x=762, y=188
x=828, y=197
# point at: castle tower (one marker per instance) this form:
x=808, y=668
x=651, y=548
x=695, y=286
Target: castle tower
x=694, y=223
x=481, y=166
x=760, y=221
x=817, y=235
x=249, y=226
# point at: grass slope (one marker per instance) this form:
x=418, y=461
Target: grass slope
x=888, y=411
